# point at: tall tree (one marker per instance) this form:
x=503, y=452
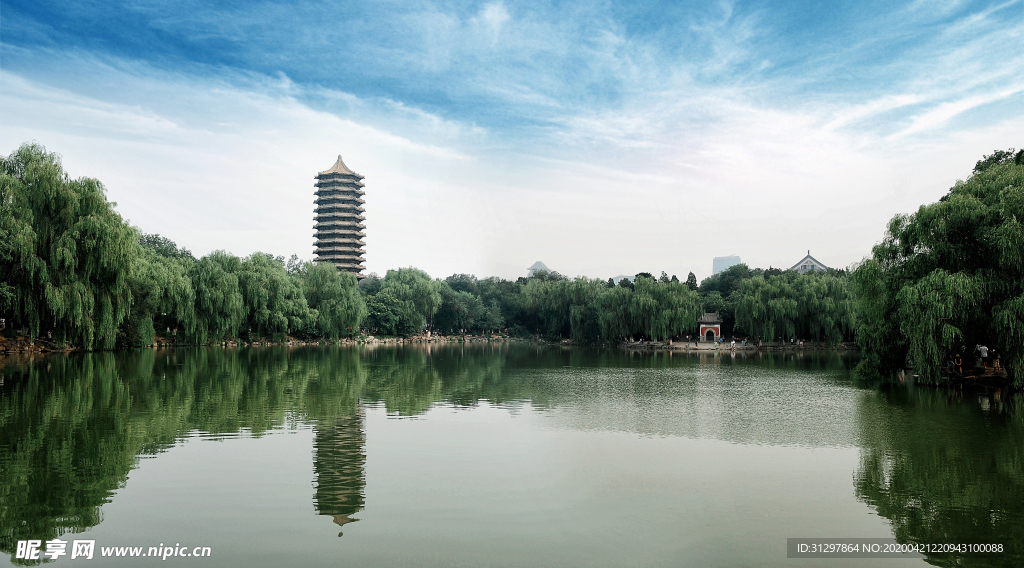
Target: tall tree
x=416, y=287
x=949, y=275
x=162, y=294
x=220, y=307
x=817, y=306
x=273, y=299
x=691, y=281
x=65, y=254
x=334, y=296
x=459, y=311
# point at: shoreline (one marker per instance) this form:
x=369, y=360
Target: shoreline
x=24, y=345
x=706, y=347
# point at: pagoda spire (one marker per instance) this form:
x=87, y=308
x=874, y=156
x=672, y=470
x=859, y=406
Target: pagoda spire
x=339, y=218
x=339, y=167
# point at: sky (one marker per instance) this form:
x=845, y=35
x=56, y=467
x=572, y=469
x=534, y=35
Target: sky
x=602, y=138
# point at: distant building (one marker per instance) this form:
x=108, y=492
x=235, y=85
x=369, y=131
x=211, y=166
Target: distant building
x=721, y=263
x=339, y=218
x=537, y=267
x=808, y=264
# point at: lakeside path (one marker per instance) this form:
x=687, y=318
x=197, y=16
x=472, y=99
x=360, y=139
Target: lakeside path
x=705, y=347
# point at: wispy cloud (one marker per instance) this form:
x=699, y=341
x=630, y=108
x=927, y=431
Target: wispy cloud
x=942, y=113
x=574, y=132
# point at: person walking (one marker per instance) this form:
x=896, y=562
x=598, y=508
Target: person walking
x=984, y=355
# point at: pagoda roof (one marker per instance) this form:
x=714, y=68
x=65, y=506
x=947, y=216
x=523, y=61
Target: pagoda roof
x=339, y=167
x=710, y=318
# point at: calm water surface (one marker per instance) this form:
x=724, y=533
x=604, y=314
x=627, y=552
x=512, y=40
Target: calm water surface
x=497, y=456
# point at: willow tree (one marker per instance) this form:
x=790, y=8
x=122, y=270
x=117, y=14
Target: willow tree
x=678, y=308
x=65, y=254
x=565, y=308
x=412, y=286
x=334, y=295
x=162, y=293
x=815, y=305
x=948, y=276
x=613, y=307
x=652, y=308
x=767, y=307
x=459, y=311
x=273, y=299
x=220, y=308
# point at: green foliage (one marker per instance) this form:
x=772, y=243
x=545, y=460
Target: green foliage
x=664, y=309
x=506, y=298
x=653, y=309
x=220, y=307
x=460, y=311
x=163, y=246
x=387, y=314
x=469, y=305
x=727, y=281
x=162, y=292
x=334, y=296
x=691, y=281
x=815, y=305
x=418, y=294
x=65, y=255
x=370, y=285
x=948, y=276
x=994, y=159
x=565, y=308
x=464, y=283
x=274, y=303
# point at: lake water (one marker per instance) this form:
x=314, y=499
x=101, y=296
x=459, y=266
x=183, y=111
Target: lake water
x=497, y=455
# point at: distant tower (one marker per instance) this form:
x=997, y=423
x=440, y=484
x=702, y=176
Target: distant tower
x=339, y=218
x=721, y=263
x=537, y=267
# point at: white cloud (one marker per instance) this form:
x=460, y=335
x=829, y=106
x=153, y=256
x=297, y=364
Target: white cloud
x=942, y=113
x=661, y=169
x=491, y=20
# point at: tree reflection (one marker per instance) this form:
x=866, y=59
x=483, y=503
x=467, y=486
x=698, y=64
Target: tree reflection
x=946, y=466
x=73, y=426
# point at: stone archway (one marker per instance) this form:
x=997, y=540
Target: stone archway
x=710, y=335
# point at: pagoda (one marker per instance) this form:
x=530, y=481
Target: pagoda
x=339, y=218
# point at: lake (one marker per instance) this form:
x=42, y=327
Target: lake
x=496, y=455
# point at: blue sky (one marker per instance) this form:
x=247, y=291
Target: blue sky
x=601, y=138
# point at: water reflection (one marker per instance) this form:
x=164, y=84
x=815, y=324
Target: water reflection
x=339, y=461
x=946, y=466
x=938, y=464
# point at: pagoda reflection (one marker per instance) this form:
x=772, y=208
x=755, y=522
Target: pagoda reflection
x=339, y=464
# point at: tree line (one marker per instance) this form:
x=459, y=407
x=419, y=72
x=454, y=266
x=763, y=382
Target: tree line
x=77, y=274
x=945, y=278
